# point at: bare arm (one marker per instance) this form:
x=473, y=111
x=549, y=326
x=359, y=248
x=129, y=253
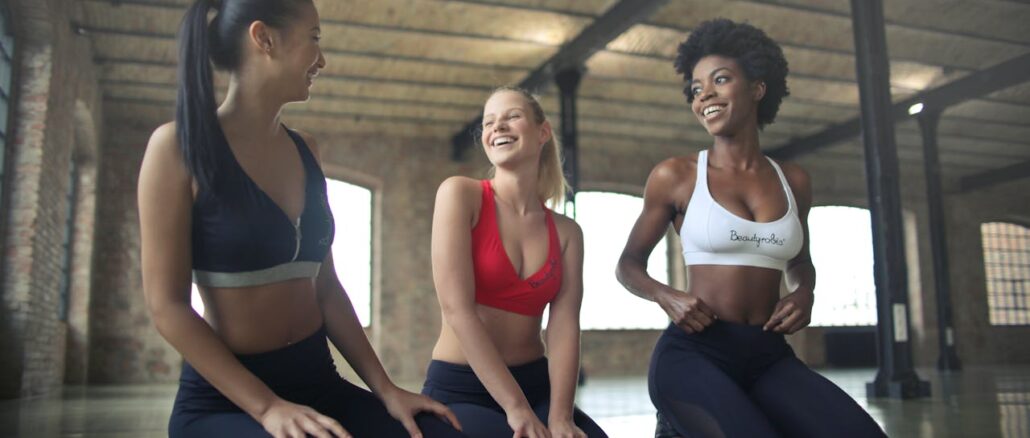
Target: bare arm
x=563, y=336
x=347, y=335
x=659, y=211
x=341, y=322
x=800, y=273
x=794, y=311
x=686, y=310
x=455, y=288
x=165, y=203
x=165, y=200
x=345, y=332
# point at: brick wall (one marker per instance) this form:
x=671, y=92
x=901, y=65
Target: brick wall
x=54, y=71
x=125, y=347
x=404, y=174
x=977, y=341
x=110, y=337
x=81, y=284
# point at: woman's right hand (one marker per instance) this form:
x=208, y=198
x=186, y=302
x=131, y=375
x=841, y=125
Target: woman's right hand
x=289, y=420
x=526, y=424
x=686, y=311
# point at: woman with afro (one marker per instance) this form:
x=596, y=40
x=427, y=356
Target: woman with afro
x=723, y=368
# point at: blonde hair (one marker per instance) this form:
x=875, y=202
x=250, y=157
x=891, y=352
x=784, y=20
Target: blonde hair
x=551, y=183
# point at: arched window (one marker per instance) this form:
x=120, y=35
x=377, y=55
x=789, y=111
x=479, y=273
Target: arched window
x=606, y=219
x=1007, y=270
x=352, y=246
x=841, y=245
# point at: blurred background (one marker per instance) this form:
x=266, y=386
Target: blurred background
x=926, y=190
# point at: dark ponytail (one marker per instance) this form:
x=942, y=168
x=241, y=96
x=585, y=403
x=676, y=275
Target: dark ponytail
x=196, y=119
x=204, y=147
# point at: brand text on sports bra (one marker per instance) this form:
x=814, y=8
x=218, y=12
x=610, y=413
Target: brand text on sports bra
x=772, y=239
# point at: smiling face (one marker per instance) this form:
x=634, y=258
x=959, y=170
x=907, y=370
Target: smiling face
x=299, y=56
x=511, y=132
x=724, y=100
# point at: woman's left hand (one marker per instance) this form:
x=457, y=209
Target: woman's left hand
x=404, y=405
x=565, y=429
x=792, y=313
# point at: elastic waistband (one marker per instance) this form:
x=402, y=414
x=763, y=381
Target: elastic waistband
x=306, y=360
x=458, y=377
x=726, y=329
x=740, y=340
x=316, y=342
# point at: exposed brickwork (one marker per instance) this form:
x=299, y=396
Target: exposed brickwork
x=76, y=359
x=109, y=336
x=124, y=345
x=54, y=72
x=979, y=342
x=404, y=175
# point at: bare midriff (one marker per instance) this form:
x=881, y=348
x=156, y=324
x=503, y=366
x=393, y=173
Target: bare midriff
x=516, y=336
x=740, y=294
x=258, y=319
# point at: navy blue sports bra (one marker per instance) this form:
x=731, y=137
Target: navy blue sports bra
x=259, y=244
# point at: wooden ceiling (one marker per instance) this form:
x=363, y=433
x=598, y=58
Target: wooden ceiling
x=424, y=67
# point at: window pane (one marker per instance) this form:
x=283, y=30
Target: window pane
x=352, y=247
x=841, y=244
x=1007, y=270
x=606, y=219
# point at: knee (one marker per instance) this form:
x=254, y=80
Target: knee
x=480, y=421
x=684, y=416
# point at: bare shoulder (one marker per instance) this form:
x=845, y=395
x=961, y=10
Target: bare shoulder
x=674, y=169
x=459, y=192
x=164, y=140
x=568, y=229
x=796, y=175
x=460, y=185
x=671, y=182
x=311, y=143
x=800, y=183
x=163, y=157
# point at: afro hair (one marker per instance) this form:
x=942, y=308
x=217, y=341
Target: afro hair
x=757, y=54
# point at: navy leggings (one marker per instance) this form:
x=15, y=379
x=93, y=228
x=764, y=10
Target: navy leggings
x=734, y=380
x=481, y=417
x=302, y=373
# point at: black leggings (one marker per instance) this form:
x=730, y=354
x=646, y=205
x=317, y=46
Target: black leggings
x=734, y=380
x=458, y=387
x=302, y=373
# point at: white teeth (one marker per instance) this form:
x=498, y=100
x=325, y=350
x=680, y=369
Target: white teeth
x=503, y=140
x=711, y=109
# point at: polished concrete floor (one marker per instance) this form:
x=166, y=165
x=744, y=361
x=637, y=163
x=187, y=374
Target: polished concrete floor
x=977, y=402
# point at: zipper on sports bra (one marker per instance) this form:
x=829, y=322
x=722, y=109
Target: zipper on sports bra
x=296, y=234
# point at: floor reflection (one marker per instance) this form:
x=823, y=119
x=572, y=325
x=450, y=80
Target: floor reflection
x=977, y=402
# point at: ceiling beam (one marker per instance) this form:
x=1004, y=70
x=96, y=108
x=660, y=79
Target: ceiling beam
x=994, y=177
x=619, y=18
x=976, y=84
x=845, y=13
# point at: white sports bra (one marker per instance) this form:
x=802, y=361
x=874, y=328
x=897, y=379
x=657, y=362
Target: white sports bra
x=712, y=235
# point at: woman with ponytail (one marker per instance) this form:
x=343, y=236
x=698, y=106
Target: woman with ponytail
x=500, y=256
x=233, y=198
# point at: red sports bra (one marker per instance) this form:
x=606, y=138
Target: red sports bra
x=497, y=283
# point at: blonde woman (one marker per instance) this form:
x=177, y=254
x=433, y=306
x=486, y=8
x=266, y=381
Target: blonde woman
x=500, y=256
